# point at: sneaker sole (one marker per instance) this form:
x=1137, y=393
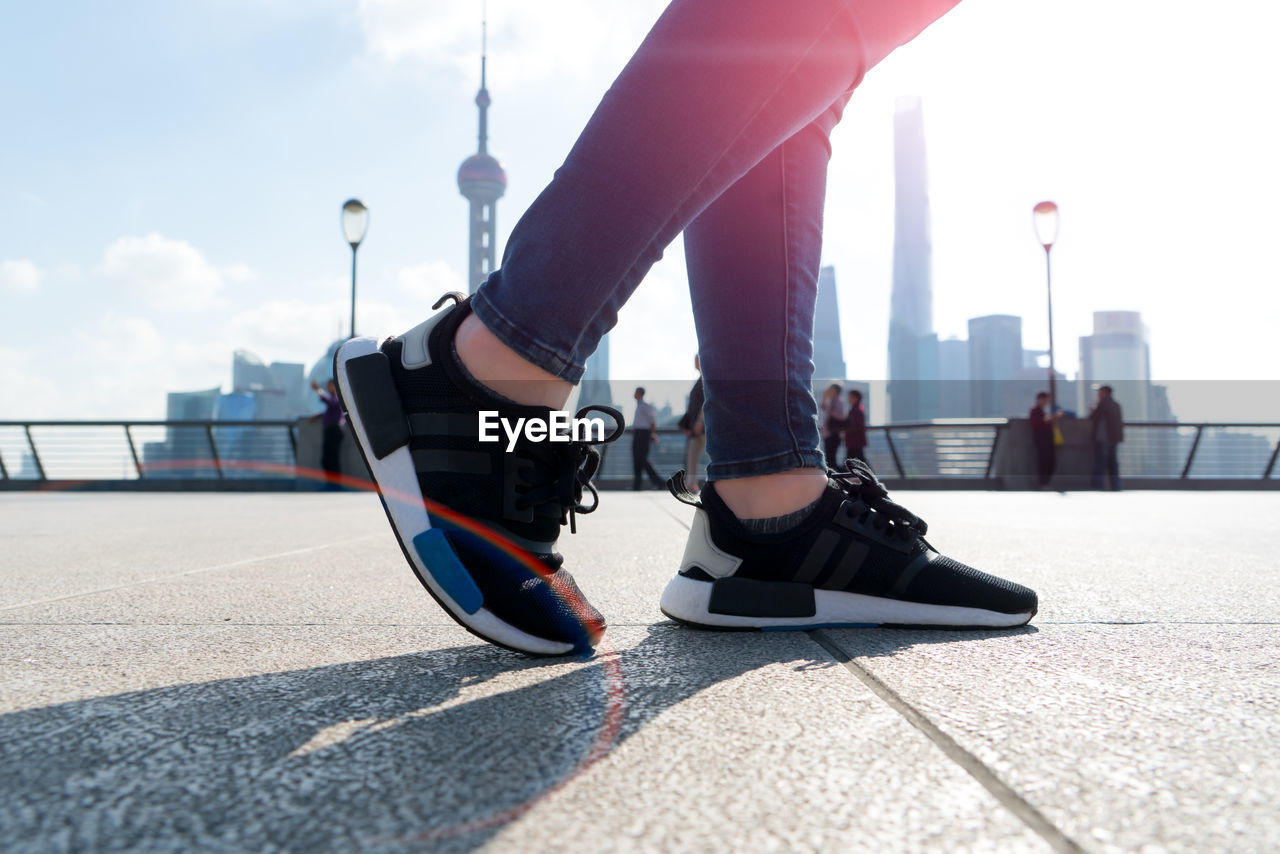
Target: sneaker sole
x=688, y=600
x=403, y=502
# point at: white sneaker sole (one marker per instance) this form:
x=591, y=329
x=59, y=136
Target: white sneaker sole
x=688, y=600
x=402, y=499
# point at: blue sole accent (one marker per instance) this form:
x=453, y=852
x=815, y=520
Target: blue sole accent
x=820, y=626
x=438, y=557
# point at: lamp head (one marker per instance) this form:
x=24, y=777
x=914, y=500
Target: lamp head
x=1045, y=218
x=355, y=221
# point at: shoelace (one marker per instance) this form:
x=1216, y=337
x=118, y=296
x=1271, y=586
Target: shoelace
x=577, y=462
x=862, y=486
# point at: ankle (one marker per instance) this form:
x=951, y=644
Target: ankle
x=769, y=495
x=503, y=370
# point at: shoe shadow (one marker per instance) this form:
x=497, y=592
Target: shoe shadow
x=438, y=750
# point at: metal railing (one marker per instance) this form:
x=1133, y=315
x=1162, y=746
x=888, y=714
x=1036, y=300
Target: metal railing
x=147, y=450
x=980, y=452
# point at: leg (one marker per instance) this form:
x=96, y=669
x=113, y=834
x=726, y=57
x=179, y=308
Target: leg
x=715, y=87
x=1113, y=465
x=693, y=459
x=1099, y=464
x=639, y=457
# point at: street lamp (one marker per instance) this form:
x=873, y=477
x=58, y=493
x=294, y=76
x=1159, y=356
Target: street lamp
x=1045, y=218
x=355, y=224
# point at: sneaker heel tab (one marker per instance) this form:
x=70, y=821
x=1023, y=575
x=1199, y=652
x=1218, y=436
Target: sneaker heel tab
x=457, y=296
x=676, y=485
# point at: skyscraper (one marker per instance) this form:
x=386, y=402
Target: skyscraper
x=1118, y=353
x=482, y=181
x=995, y=357
x=828, y=351
x=911, y=311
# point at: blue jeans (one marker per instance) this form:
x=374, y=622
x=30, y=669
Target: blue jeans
x=718, y=127
x=1106, y=460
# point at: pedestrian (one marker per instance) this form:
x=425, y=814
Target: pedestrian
x=1107, y=425
x=855, y=430
x=833, y=412
x=1044, y=432
x=695, y=430
x=718, y=127
x=644, y=428
x=332, y=422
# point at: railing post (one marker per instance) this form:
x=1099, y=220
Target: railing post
x=1191, y=455
x=213, y=450
x=1271, y=464
x=995, y=443
x=35, y=456
x=293, y=442
x=4, y=472
x=137, y=463
x=893, y=452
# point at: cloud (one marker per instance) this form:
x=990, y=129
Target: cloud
x=551, y=37
x=430, y=280
x=167, y=273
x=20, y=275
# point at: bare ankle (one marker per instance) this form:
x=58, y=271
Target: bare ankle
x=503, y=370
x=769, y=495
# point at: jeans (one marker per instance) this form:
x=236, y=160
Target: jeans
x=1106, y=459
x=718, y=127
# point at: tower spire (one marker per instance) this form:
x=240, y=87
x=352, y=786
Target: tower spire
x=482, y=97
x=482, y=181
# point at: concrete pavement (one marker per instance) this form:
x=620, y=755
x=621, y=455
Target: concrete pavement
x=262, y=672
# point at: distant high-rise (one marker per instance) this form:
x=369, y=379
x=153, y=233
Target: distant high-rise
x=828, y=351
x=995, y=358
x=1118, y=353
x=911, y=311
x=482, y=181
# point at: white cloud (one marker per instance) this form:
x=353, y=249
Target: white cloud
x=167, y=273
x=541, y=40
x=430, y=280
x=20, y=275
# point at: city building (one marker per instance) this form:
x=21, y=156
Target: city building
x=954, y=398
x=995, y=357
x=828, y=350
x=1118, y=353
x=911, y=305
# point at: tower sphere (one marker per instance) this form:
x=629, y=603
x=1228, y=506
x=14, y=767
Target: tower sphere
x=482, y=176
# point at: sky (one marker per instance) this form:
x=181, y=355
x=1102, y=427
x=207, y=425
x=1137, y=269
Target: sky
x=171, y=176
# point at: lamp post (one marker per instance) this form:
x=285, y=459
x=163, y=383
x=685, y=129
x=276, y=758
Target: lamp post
x=1045, y=218
x=355, y=224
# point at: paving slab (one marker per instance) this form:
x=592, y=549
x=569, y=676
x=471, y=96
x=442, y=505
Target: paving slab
x=262, y=672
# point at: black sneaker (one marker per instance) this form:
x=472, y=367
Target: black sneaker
x=858, y=560
x=478, y=524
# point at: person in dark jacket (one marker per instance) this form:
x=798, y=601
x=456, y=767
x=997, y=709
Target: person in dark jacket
x=1042, y=435
x=1107, y=425
x=695, y=429
x=855, y=428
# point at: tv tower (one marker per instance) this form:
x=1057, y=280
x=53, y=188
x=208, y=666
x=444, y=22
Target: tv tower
x=482, y=181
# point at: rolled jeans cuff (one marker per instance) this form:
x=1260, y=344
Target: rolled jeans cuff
x=787, y=461
x=525, y=345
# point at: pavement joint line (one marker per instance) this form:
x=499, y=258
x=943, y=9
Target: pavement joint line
x=231, y=565
x=1005, y=794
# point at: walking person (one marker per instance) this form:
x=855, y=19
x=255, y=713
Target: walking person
x=718, y=127
x=695, y=430
x=1107, y=425
x=855, y=429
x=332, y=421
x=644, y=428
x=1043, y=435
x=833, y=413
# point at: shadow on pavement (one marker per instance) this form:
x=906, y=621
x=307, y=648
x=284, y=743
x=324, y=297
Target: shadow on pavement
x=433, y=750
